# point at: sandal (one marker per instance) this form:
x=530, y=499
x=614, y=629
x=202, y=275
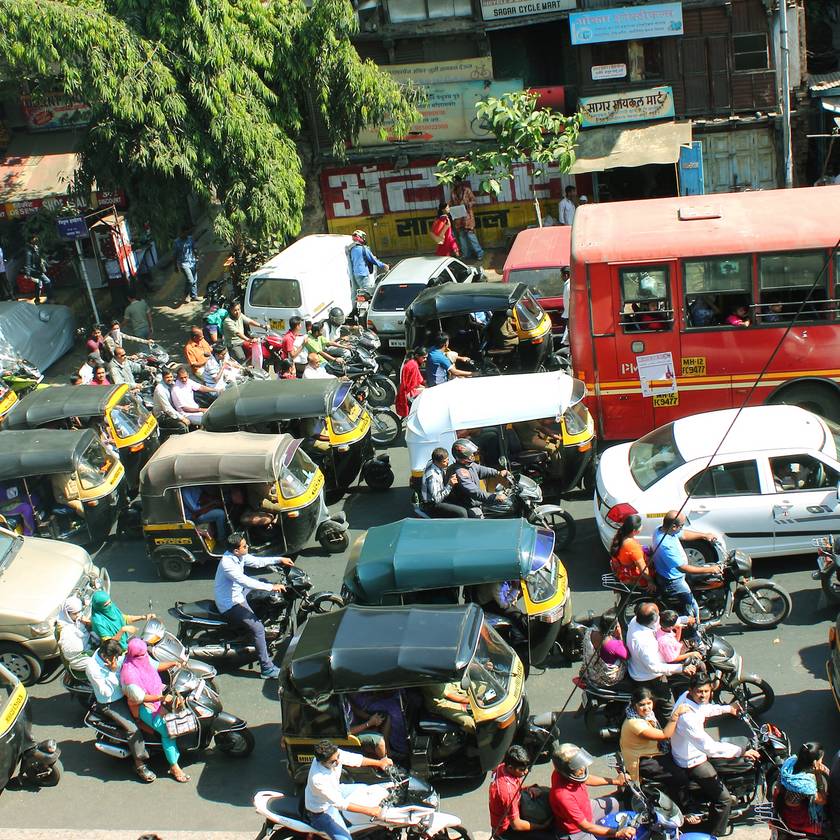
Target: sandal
x=182, y=779
x=144, y=773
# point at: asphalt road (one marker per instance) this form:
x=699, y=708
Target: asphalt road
x=219, y=796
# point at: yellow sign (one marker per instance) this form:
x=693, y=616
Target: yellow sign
x=693, y=366
x=172, y=540
x=13, y=708
x=665, y=400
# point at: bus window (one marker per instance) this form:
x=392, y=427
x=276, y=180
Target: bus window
x=714, y=287
x=646, y=301
x=784, y=282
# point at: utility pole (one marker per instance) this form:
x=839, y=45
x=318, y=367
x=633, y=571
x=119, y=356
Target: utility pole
x=784, y=57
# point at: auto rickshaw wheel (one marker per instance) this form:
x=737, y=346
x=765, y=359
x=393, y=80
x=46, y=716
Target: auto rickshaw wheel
x=378, y=476
x=51, y=778
x=26, y=667
x=333, y=540
x=173, y=567
x=237, y=744
x=455, y=832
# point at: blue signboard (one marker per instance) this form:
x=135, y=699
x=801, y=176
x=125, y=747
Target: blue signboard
x=72, y=228
x=691, y=169
x=658, y=20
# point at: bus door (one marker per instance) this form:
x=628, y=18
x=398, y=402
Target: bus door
x=645, y=326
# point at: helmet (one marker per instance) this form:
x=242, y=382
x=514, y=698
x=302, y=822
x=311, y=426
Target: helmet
x=569, y=760
x=337, y=316
x=359, y=236
x=464, y=450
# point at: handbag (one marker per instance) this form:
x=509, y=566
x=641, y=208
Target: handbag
x=179, y=721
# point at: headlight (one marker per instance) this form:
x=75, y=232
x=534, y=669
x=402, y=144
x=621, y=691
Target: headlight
x=42, y=628
x=553, y=615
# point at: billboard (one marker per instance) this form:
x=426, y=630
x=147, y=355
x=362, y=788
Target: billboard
x=657, y=20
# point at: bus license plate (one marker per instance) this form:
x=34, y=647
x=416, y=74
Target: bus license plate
x=396, y=342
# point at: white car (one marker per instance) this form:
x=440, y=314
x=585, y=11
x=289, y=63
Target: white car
x=772, y=486
x=398, y=288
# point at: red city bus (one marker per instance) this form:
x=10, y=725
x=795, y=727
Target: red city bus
x=682, y=277
x=537, y=258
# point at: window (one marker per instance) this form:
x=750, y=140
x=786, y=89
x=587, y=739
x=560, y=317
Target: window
x=403, y=11
x=801, y=472
x=750, y=52
x=395, y=297
x=739, y=478
x=653, y=456
x=543, y=282
x=714, y=288
x=459, y=271
x=653, y=59
x=275, y=292
x=786, y=280
x=319, y=719
x=645, y=300
x=614, y=52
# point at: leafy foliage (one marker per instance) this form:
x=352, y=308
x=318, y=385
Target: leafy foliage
x=202, y=96
x=521, y=132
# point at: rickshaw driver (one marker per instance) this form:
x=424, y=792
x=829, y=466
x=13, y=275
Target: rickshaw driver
x=325, y=797
x=230, y=591
x=467, y=492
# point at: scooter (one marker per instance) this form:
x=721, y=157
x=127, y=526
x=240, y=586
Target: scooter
x=205, y=634
x=410, y=811
x=828, y=568
x=205, y=719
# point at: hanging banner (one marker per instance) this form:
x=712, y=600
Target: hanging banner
x=630, y=106
x=656, y=374
x=631, y=23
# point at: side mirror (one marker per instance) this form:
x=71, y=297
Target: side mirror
x=505, y=465
x=465, y=682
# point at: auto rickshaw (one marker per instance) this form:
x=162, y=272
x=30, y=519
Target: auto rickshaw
x=119, y=418
x=334, y=427
x=8, y=400
x=60, y=484
x=500, y=326
x=539, y=428
x=37, y=762
x=406, y=656
x=241, y=474
x=506, y=566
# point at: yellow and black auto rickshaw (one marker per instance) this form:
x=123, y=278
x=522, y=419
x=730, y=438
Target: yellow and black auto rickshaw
x=8, y=400
x=60, y=484
x=121, y=420
x=333, y=426
x=232, y=481
x=412, y=659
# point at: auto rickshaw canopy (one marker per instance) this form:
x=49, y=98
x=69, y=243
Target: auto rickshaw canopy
x=456, y=299
x=422, y=554
x=375, y=648
x=439, y=412
x=60, y=402
x=42, y=452
x=263, y=401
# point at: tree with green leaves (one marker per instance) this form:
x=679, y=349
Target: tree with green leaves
x=202, y=97
x=521, y=132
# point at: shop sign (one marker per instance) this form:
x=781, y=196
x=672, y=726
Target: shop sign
x=442, y=72
x=447, y=114
x=658, y=20
x=53, y=112
x=29, y=207
x=608, y=71
x=72, y=228
x=502, y=9
x=106, y=198
x=630, y=106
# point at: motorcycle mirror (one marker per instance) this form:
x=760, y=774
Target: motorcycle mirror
x=504, y=463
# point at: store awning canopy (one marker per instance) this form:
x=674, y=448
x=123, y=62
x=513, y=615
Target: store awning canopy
x=37, y=166
x=614, y=145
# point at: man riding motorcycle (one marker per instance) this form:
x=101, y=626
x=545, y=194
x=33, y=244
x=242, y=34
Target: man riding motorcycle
x=467, y=491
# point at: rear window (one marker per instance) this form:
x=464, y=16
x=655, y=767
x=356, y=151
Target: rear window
x=543, y=282
x=275, y=292
x=395, y=297
x=653, y=456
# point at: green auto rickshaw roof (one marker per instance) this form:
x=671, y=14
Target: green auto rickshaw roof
x=42, y=452
x=263, y=401
x=461, y=299
x=418, y=554
x=371, y=648
x=60, y=402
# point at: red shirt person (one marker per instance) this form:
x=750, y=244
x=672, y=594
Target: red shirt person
x=506, y=790
x=412, y=382
x=443, y=234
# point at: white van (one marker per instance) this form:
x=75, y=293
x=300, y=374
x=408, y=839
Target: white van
x=308, y=279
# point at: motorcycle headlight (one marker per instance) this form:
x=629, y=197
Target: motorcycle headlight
x=42, y=628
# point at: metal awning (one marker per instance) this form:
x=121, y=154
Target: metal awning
x=36, y=166
x=614, y=145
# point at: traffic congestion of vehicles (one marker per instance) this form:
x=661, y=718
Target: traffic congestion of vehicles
x=432, y=640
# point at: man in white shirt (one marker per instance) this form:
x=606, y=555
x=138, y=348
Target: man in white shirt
x=568, y=206
x=219, y=369
x=183, y=395
x=646, y=666
x=325, y=797
x=231, y=588
x=162, y=406
x=314, y=369
x=692, y=747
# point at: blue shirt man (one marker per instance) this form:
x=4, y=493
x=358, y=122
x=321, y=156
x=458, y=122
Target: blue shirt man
x=440, y=363
x=363, y=261
x=185, y=257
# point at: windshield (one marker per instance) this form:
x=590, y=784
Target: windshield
x=528, y=312
x=654, y=456
x=834, y=429
x=94, y=465
x=543, y=282
x=275, y=292
x=395, y=297
x=8, y=544
x=128, y=419
x=297, y=474
x=345, y=417
x=576, y=418
x=490, y=669
x=542, y=582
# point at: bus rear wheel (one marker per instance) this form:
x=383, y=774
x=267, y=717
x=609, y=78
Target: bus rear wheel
x=812, y=396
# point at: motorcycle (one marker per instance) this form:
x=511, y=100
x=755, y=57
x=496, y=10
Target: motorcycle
x=410, y=811
x=604, y=708
x=828, y=568
x=206, y=720
x=358, y=364
x=370, y=341
x=205, y=634
x=757, y=602
x=19, y=374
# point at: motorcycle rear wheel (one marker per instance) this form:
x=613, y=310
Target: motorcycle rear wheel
x=831, y=587
x=385, y=426
x=381, y=391
x=564, y=527
x=237, y=744
x=775, y=601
